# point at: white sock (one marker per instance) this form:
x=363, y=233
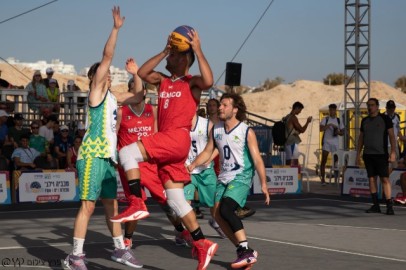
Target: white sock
x=244, y=244
x=119, y=242
x=78, y=246
x=215, y=223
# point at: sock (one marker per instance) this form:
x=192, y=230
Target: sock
x=179, y=227
x=215, y=224
x=197, y=234
x=196, y=204
x=243, y=244
x=78, y=246
x=135, y=187
x=119, y=242
x=375, y=198
x=128, y=235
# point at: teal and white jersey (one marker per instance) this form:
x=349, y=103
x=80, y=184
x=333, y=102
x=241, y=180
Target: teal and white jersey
x=199, y=136
x=100, y=139
x=235, y=159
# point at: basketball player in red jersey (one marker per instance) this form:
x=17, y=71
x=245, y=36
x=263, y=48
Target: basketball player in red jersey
x=134, y=122
x=178, y=97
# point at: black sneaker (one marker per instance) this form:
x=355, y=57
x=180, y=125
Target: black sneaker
x=389, y=211
x=374, y=209
x=199, y=214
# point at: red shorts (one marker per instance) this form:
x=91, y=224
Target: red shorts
x=149, y=180
x=169, y=150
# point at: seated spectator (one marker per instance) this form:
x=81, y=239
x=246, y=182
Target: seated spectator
x=37, y=141
x=47, y=131
x=50, y=73
x=54, y=94
x=61, y=146
x=37, y=93
x=4, y=162
x=24, y=156
x=73, y=153
x=81, y=130
x=8, y=107
x=3, y=127
x=15, y=133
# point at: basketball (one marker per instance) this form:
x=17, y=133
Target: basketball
x=179, y=37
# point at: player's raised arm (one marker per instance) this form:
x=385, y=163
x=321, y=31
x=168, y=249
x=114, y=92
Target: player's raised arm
x=102, y=73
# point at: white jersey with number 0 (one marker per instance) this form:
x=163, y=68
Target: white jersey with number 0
x=235, y=159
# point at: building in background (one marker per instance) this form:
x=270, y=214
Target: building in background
x=57, y=65
x=118, y=76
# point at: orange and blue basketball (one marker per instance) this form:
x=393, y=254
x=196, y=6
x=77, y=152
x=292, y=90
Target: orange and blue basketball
x=179, y=36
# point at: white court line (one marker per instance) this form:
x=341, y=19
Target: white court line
x=60, y=209
x=329, y=249
x=34, y=266
x=86, y=243
x=338, y=226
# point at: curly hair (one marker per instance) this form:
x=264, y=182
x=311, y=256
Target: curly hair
x=238, y=102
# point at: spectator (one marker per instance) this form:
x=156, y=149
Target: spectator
x=73, y=153
x=81, y=130
x=54, y=94
x=37, y=141
x=293, y=129
x=8, y=107
x=3, y=127
x=61, y=146
x=332, y=127
x=24, y=156
x=47, y=131
x=372, y=140
x=72, y=86
x=37, y=93
x=50, y=72
x=15, y=133
x=390, y=112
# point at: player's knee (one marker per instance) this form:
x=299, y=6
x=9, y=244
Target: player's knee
x=87, y=208
x=129, y=156
x=227, y=212
x=176, y=200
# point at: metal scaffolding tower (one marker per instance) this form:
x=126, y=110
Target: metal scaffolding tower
x=356, y=66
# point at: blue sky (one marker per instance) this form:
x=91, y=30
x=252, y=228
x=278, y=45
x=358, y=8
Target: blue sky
x=296, y=39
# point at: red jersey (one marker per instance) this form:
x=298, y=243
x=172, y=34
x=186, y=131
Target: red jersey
x=176, y=104
x=133, y=127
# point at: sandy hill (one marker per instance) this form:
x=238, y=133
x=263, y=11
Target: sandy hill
x=273, y=104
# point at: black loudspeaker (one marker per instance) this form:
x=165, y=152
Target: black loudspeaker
x=233, y=74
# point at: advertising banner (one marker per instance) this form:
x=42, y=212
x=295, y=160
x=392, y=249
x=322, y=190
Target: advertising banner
x=356, y=182
x=395, y=182
x=284, y=180
x=5, y=194
x=47, y=186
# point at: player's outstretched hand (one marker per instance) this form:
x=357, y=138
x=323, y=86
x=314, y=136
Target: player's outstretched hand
x=131, y=66
x=118, y=20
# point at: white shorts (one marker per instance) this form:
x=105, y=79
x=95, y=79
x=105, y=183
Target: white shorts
x=292, y=151
x=330, y=147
